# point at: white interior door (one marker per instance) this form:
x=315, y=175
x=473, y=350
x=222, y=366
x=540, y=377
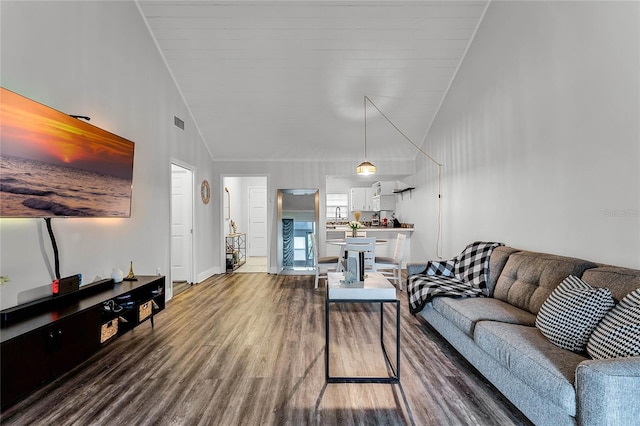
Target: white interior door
x=257, y=220
x=181, y=223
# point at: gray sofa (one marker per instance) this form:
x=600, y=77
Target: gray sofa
x=497, y=334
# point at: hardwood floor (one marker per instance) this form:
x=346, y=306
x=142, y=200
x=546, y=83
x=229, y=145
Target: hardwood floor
x=249, y=349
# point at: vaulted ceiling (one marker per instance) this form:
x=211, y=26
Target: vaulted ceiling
x=287, y=79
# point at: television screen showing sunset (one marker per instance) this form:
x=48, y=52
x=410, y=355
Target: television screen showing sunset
x=55, y=165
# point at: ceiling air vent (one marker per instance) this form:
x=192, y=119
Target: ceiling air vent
x=178, y=122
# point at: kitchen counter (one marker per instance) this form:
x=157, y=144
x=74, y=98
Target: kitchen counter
x=382, y=232
x=370, y=229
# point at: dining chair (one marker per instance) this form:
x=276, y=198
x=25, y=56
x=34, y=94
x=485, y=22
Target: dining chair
x=324, y=264
x=366, y=245
x=392, y=266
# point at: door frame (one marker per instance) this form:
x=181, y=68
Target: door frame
x=223, y=226
x=192, y=262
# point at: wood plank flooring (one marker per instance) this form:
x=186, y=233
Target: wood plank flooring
x=248, y=349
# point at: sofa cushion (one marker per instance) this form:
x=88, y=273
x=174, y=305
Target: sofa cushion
x=621, y=281
x=528, y=278
x=571, y=313
x=466, y=312
x=618, y=335
x=531, y=357
x=499, y=257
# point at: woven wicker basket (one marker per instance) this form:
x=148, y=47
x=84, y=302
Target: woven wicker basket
x=108, y=330
x=144, y=311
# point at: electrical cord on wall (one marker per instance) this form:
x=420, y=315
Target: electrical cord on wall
x=55, y=247
x=439, y=235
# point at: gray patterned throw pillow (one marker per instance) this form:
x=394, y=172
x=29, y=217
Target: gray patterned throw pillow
x=571, y=313
x=618, y=334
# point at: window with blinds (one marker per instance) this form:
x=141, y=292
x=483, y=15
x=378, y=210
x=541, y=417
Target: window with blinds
x=337, y=207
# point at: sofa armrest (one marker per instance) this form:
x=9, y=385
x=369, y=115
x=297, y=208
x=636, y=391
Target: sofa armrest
x=416, y=268
x=443, y=268
x=607, y=391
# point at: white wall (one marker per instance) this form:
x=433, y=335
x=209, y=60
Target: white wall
x=97, y=59
x=539, y=136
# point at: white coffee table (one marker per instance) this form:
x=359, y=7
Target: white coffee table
x=375, y=289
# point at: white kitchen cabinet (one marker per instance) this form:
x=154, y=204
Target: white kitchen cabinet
x=361, y=199
x=384, y=203
x=383, y=188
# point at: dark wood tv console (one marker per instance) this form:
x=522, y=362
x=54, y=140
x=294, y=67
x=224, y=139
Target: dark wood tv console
x=43, y=339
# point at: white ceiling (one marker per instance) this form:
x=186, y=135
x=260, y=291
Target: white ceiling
x=287, y=79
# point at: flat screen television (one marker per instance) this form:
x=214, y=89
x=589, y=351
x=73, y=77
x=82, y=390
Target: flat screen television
x=53, y=165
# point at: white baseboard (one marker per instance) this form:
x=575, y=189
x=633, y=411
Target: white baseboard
x=207, y=273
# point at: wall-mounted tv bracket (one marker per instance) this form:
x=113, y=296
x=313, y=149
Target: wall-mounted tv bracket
x=82, y=117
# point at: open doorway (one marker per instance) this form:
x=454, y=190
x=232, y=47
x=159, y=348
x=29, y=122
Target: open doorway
x=181, y=228
x=245, y=224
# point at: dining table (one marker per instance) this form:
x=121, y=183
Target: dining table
x=342, y=241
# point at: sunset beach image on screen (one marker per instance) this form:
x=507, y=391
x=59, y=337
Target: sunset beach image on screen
x=52, y=164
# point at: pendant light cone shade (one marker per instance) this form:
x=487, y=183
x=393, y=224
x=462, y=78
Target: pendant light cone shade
x=365, y=168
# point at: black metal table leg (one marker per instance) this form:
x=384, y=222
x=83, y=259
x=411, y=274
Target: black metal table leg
x=395, y=376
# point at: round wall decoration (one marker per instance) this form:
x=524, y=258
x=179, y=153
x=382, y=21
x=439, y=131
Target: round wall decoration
x=205, y=192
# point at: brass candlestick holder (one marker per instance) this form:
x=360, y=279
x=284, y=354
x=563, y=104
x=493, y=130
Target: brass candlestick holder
x=131, y=276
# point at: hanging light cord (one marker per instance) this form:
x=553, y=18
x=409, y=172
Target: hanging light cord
x=366, y=98
x=439, y=232
x=365, y=128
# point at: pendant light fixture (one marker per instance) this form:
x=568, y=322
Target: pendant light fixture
x=365, y=168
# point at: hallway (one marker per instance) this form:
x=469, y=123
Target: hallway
x=253, y=264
